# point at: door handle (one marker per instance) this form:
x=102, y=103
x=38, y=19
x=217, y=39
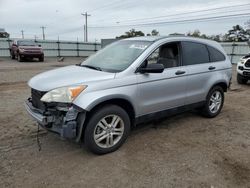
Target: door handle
x=211, y=68
x=179, y=72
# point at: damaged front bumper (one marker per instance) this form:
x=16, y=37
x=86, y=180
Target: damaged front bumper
x=67, y=122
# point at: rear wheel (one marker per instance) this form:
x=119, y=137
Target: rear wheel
x=107, y=129
x=241, y=80
x=41, y=59
x=214, y=102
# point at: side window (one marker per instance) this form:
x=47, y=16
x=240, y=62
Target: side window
x=167, y=54
x=194, y=53
x=153, y=58
x=215, y=55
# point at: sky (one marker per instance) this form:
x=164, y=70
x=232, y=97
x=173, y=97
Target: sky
x=108, y=19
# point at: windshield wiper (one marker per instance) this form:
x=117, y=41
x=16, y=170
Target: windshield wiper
x=91, y=67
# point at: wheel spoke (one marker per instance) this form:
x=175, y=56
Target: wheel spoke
x=117, y=133
x=107, y=141
x=115, y=121
x=104, y=122
x=97, y=136
x=101, y=138
x=111, y=140
x=212, y=107
x=102, y=126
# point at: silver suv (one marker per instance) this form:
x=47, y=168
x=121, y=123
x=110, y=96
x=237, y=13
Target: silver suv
x=129, y=82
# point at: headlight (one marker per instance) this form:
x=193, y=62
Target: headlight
x=64, y=94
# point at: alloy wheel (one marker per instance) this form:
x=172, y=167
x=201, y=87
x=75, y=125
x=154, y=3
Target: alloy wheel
x=215, y=102
x=109, y=131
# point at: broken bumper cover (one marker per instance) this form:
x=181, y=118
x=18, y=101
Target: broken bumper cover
x=36, y=114
x=66, y=126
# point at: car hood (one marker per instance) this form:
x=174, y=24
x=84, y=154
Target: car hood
x=67, y=76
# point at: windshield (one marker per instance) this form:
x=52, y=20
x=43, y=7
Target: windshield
x=26, y=43
x=117, y=56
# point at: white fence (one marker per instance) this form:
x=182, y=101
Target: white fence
x=54, y=48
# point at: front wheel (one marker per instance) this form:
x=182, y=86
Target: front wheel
x=13, y=56
x=214, y=102
x=19, y=58
x=107, y=129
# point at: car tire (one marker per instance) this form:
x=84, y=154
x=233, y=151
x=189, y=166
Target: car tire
x=214, y=102
x=107, y=129
x=19, y=58
x=13, y=56
x=241, y=80
x=41, y=59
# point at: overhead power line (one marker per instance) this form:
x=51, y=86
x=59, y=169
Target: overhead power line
x=176, y=21
x=185, y=13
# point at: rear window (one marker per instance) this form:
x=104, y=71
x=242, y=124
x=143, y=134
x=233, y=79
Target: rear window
x=194, y=53
x=215, y=55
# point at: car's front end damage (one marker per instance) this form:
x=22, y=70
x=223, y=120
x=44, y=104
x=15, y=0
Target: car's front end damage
x=57, y=117
x=54, y=95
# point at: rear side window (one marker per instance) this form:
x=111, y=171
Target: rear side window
x=194, y=53
x=215, y=55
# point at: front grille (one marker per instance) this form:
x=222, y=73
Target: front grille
x=247, y=64
x=246, y=73
x=36, y=96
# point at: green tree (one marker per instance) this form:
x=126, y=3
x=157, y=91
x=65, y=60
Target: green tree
x=238, y=34
x=154, y=32
x=4, y=35
x=195, y=33
x=131, y=33
x=217, y=38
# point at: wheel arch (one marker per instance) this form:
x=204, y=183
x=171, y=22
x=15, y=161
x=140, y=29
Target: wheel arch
x=121, y=102
x=222, y=84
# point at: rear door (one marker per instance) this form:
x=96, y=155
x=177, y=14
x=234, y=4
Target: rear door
x=166, y=90
x=197, y=62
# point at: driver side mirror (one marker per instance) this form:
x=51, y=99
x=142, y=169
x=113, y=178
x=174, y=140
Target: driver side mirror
x=152, y=68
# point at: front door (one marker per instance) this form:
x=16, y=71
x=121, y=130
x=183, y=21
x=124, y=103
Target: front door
x=166, y=90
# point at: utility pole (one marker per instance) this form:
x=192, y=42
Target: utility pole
x=22, y=31
x=84, y=36
x=43, y=31
x=86, y=25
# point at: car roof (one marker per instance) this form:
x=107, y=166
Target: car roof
x=156, y=38
x=147, y=38
x=178, y=38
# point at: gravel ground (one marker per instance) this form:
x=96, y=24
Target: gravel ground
x=182, y=151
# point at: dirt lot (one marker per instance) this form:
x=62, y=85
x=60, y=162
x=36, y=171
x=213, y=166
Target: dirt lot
x=183, y=151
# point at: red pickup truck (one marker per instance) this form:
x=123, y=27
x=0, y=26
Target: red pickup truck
x=21, y=49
